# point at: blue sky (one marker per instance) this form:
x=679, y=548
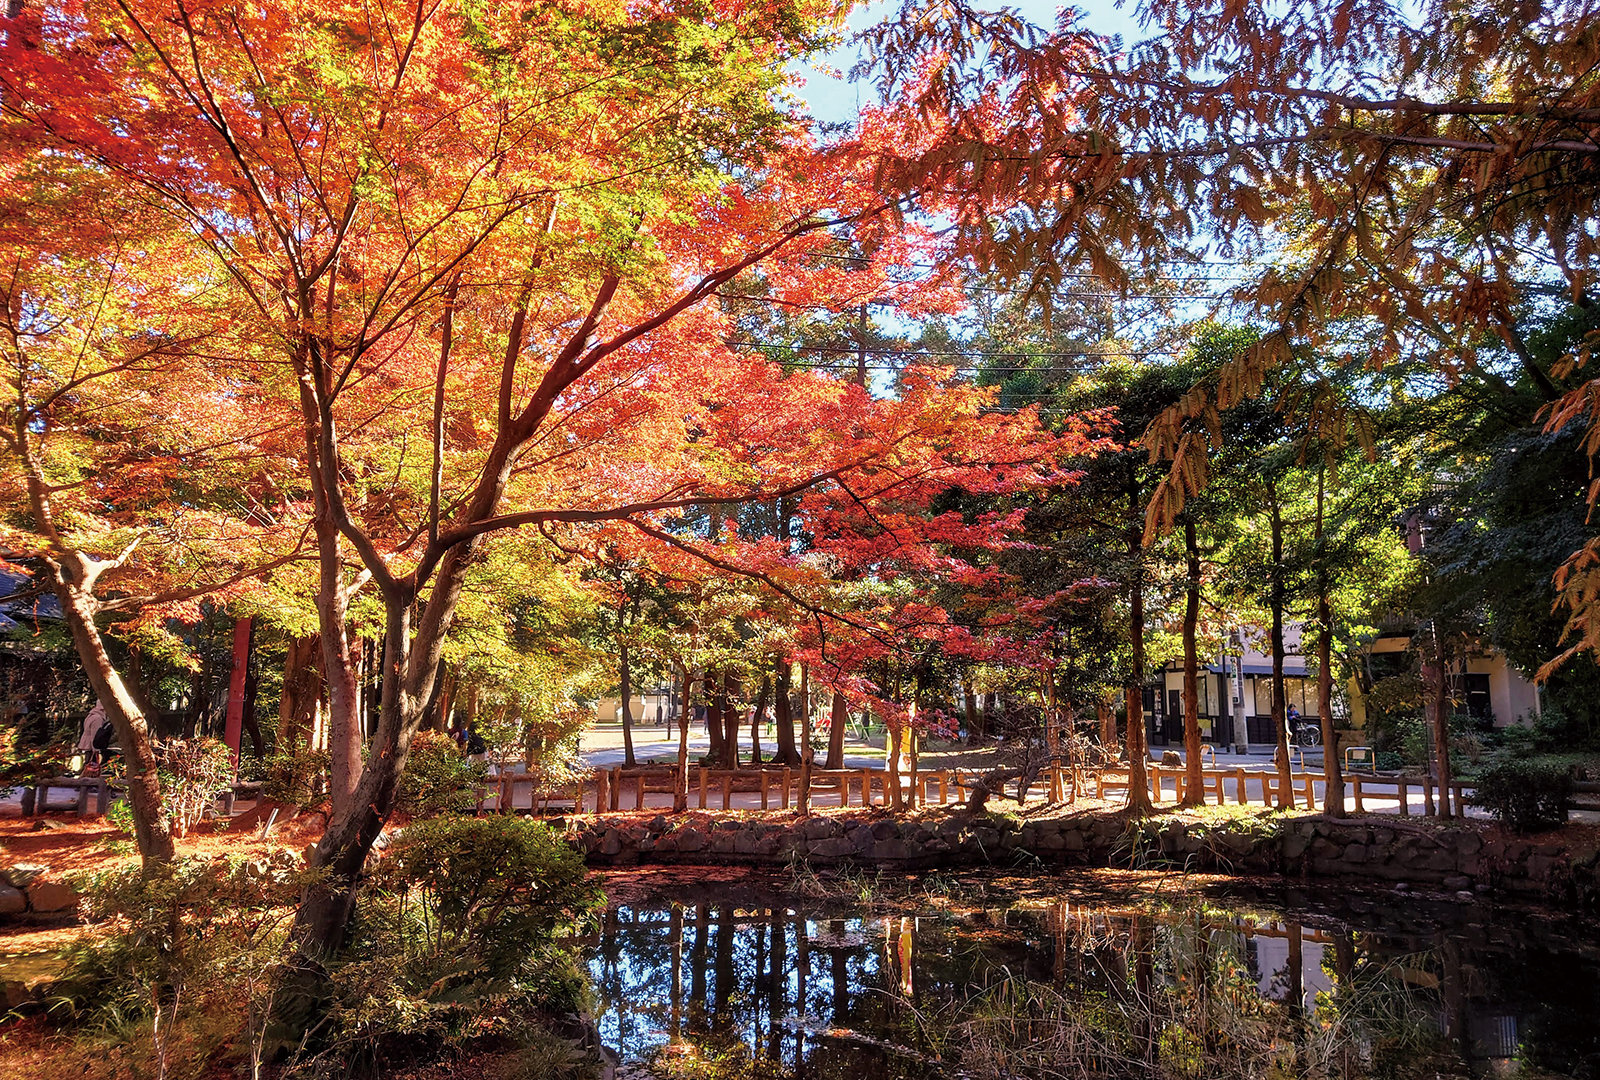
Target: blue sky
x=835, y=98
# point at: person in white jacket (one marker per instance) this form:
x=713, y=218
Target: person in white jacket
x=92, y=724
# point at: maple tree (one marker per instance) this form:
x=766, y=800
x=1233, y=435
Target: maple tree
x=479, y=265
x=137, y=470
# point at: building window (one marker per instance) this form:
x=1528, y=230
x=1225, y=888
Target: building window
x=1296, y=691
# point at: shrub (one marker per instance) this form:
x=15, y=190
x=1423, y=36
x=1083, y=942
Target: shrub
x=458, y=935
x=491, y=887
x=294, y=778
x=1526, y=794
x=192, y=772
x=182, y=952
x=438, y=779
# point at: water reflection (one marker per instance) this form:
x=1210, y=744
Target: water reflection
x=767, y=989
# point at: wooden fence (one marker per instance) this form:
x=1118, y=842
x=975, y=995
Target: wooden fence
x=617, y=789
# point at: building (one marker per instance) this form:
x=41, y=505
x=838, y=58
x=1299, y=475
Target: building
x=1235, y=694
x=1236, y=688
x=650, y=707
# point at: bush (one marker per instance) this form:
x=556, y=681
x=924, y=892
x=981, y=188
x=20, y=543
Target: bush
x=182, y=954
x=192, y=772
x=1526, y=794
x=490, y=887
x=438, y=779
x=294, y=778
x=457, y=936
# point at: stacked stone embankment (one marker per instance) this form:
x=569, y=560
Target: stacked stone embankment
x=1466, y=857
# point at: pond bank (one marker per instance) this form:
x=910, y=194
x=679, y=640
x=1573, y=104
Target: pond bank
x=1464, y=857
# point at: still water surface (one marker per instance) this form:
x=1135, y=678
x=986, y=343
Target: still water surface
x=716, y=984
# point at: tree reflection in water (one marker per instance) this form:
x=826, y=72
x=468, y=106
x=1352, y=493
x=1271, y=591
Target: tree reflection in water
x=772, y=991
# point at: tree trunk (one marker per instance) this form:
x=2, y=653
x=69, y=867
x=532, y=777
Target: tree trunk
x=916, y=748
x=1439, y=724
x=680, y=787
x=72, y=578
x=970, y=704
x=340, y=855
x=1052, y=726
x=712, y=684
x=1194, y=780
x=1108, y=725
x=1332, y=767
x=807, y=754
x=1278, y=602
x=730, y=720
x=302, y=692
x=627, y=709
x=233, y=729
x=252, y=687
x=783, y=713
x=763, y=698
x=1138, y=777
x=897, y=735
x=838, y=720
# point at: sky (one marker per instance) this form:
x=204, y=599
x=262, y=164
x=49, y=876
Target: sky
x=835, y=98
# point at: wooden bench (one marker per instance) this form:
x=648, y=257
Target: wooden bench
x=35, y=797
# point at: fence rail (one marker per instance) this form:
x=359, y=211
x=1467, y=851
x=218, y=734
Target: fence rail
x=615, y=789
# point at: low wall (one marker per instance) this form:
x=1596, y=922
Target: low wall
x=1465, y=857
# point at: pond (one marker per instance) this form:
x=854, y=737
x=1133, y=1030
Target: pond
x=949, y=978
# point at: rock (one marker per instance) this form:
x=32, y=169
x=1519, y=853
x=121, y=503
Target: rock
x=51, y=896
x=1456, y=883
x=21, y=875
x=820, y=828
x=688, y=839
x=749, y=843
x=1072, y=840
x=885, y=830
x=12, y=901
x=832, y=847
x=894, y=849
x=861, y=837
x=1466, y=896
x=611, y=843
x=1048, y=840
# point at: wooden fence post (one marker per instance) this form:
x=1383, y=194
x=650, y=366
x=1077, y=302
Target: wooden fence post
x=1405, y=800
x=702, y=787
x=601, y=799
x=1355, y=790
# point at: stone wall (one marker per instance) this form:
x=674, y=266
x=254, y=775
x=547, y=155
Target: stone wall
x=1465, y=857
